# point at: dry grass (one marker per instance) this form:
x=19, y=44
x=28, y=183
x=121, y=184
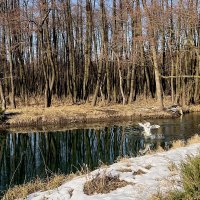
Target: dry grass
x=38, y=101
x=159, y=149
x=195, y=108
x=102, y=165
x=181, y=143
x=190, y=182
x=124, y=170
x=66, y=113
x=138, y=172
x=172, y=167
x=70, y=191
x=102, y=183
x=178, y=143
x=194, y=139
x=21, y=191
x=56, y=180
x=148, y=167
x=123, y=159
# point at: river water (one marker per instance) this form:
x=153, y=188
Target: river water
x=25, y=156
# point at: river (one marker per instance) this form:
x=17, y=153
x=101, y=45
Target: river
x=25, y=156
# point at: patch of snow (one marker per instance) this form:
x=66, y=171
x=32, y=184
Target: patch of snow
x=156, y=177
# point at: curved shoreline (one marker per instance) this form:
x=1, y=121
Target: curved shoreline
x=79, y=115
x=146, y=176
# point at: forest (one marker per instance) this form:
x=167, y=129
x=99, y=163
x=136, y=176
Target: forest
x=112, y=50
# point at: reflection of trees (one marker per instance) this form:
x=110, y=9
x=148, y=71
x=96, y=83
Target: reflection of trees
x=2, y=146
x=2, y=149
x=24, y=156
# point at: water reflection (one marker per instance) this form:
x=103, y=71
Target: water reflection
x=26, y=156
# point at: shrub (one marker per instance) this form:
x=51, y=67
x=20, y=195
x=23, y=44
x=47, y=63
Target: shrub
x=190, y=172
x=190, y=179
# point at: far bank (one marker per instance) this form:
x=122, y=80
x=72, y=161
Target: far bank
x=82, y=114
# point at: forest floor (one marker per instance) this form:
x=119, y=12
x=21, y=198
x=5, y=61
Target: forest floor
x=65, y=114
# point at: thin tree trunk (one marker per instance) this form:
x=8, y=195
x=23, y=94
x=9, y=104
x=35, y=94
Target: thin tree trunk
x=3, y=100
x=155, y=62
x=120, y=79
x=12, y=95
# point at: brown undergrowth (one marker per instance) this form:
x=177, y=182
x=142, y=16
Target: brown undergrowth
x=52, y=182
x=21, y=191
x=195, y=108
x=103, y=184
x=181, y=143
x=138, y=172
x=63, y=112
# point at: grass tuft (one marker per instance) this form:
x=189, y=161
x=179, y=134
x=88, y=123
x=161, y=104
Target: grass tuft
x=148, y=167
x=173, y=195
x=178, y=143
x=172, y=167
x=194, y=139
x=123, y=170
x=139, y=172
x=102, y=183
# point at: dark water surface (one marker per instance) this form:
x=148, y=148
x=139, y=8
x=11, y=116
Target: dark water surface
x=23, y=157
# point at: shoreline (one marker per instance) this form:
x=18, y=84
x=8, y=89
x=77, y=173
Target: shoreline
x=146, y=176
x=80, y=115
x=79, y=122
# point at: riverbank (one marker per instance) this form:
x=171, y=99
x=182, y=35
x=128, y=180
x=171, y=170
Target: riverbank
x=68, y=115
x=129, y=178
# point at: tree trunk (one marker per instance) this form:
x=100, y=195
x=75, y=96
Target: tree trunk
x=3, y=100
x=157, y=78
x=155, y=62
